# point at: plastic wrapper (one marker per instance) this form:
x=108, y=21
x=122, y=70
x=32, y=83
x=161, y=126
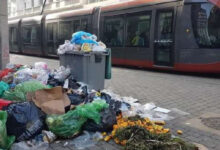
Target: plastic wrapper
x=4, y=103
x=28, y=74
x=8, y=78
x=25, y=120
x=5, y=141
x=126, y=112
x=67, y=47
x=20, y=90
x=30, y=146
x=108, y=119
x=5, y=72
x=86, y=47
x=48, y=136
x=83, y=37
x=41, y=66
x=114, y=105
x=82, y=41
x=86, y=140
x=3, y=87
x=10, y=66
x=101, y=47
x=12, y=85
x=23, y=75
x=70, y=124
x=61, y=74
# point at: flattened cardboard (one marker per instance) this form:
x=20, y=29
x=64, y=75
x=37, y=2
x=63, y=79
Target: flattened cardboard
x=51, y=101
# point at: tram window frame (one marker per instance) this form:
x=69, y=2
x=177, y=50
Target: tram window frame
x=62, y=36
x=38, y=35
x=84, y=25
x=148, y=14
x=122, y=27
x=15, y=42
x=52, y=30
x=75, y=26
x=49, y=32
x=160, y=30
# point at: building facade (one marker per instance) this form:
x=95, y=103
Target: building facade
x=26, y=8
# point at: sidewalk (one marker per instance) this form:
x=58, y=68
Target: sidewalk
x=196, y=95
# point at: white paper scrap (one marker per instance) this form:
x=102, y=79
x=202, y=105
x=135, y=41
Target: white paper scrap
x=163, y=110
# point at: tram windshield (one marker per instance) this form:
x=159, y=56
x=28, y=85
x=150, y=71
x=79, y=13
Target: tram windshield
x=206, y=25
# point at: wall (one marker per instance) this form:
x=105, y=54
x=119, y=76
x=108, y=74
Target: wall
x=4, y=46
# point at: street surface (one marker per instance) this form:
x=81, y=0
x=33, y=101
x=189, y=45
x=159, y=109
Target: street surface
x=197, y=95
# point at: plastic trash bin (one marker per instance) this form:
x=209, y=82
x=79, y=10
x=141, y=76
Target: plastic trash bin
x=86, y=67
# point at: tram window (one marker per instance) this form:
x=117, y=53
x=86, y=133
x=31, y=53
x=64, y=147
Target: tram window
x=13, y=36
x=65, y=31
x=50, y=32
x=114, y=31
x=206, y=25
x=84, y=25
x=165, y=25
x=31, y=35
x=76, y=25
x=138, y=30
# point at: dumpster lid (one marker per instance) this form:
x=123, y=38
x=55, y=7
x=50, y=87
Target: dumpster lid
x=85, y=53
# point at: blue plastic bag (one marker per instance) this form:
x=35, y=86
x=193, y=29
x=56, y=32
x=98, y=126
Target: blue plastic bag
x=83, y=37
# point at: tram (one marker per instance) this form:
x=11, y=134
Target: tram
x=179, y=35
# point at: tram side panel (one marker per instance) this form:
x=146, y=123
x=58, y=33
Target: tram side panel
x=198, y=40
x=14, y=36
x=120, y=31
x=137, y=37
x=51, y=36
x=112, y=32
x=95, y=21
x=43, y=37
x=130, y=34
x=31, y=41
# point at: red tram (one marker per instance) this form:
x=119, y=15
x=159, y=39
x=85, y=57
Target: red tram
x=180, y=35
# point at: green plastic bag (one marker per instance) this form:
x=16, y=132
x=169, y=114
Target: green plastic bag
x=5, y=141
x=70, y=124
x=20, y=90
x=3, y=87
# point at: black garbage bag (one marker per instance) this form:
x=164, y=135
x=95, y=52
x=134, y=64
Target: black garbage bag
x=73, y=84
x=114, y=105
x=25, y=120
x=108, y=119
x=106, y=97
x=76, y=99
x=90, y=97
x=54, y=82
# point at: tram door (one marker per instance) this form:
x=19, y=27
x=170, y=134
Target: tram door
x=163, y=42
x=52, y=37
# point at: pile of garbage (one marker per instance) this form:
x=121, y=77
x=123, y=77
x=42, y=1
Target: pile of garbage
x=82, y=41
x=40, y=105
